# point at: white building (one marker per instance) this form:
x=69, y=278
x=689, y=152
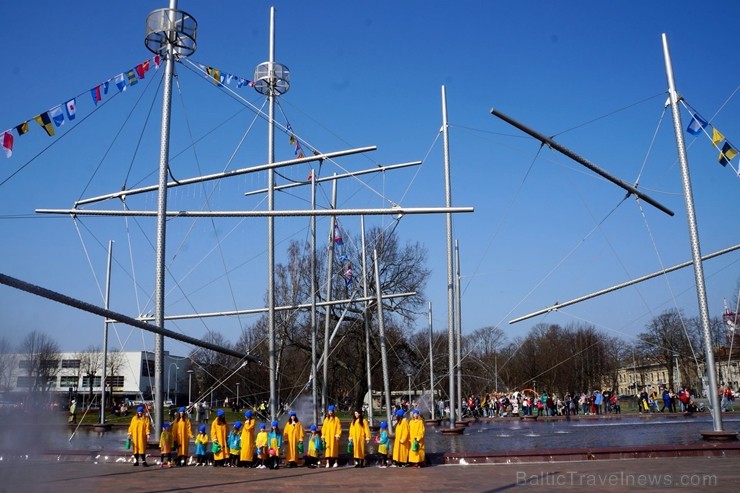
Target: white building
x=130, y=376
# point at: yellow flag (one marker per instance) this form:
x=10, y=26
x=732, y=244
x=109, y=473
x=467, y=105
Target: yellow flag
x=717, y=136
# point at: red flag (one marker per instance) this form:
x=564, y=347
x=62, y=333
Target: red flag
x=7, y=143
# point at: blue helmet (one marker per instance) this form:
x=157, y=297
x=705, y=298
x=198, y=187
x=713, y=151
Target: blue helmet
x=262, y=426
x=399, y=413
x=248, y=414
x=415, y=411
x=238, y=424
x=330, y=408
x=275, y=424
x=292, y=413
x=181, y=410
x=313, y=427
x=140, y=409
x=202, y=428
x=220, y=413
x=165, y=425
x=383, y=425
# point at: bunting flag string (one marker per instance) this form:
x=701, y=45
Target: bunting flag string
x=698, y=125
x=55, y=117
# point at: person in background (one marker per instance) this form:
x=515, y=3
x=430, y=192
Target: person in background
x=201, y=444
x=331, y=430
x=314, y=448
x=235, y=444
x=359, y=435
x=139, y=431
x=219, y=432
x=417, y=454
x=182, y=433
x=246, y=456
x=293, y=439
x=383, y=442
x=72, y=412
x=401, y=444
x=261, y=444
x=165, y=446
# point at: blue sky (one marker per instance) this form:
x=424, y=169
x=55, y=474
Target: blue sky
x=589, y=73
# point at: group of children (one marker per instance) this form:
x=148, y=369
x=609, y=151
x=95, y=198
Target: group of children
x=241, y=447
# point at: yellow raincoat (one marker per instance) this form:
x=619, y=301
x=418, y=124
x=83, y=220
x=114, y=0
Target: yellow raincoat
x=247, y=452
x=139, y=429
x=219, y=432
x=292, y=435
x=416, y=432
x=261, y=443
x=165, y=441
x=331, y=430
x=359, y=432
x=182, y=433
x=401, y=444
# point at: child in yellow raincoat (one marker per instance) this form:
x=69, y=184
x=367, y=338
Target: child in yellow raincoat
x=383, y=441
x=416, y=435
x=219, y=432
x=201, y=444
x=314, y=448
x=402, y=444
x=246, y=456
x=261, y=444
x=182, y=433
x=165, y=446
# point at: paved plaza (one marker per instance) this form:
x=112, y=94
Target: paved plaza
x=660, y=474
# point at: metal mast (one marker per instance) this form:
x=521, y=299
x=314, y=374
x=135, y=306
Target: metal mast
x=450, y=281
x=105, y=333
x=701, y=293
x=169, y=33
x=271, y=79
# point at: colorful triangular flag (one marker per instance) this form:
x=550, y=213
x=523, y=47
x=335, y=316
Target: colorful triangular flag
x=717, y=136
x=71, y=108
x=728, y=152
x=696, y=125
x=95, y=93
x=57, y=116
x=22, y=128
x=120, y=81
x=337, y=235
x=7, y=144
x=45, y=122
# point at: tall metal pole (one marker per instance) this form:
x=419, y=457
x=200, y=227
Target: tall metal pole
x=431, y=365
x=450, y=283
x=105, y=332
x=365, y=316
x=327, y=310
x=159, y=286
x=314, y=289
x=190, y=387
x=381, y=335
x=271, y=229
x=701, y=293
x=458, y=328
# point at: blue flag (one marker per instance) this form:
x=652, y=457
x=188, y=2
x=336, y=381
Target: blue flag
x=697, y=123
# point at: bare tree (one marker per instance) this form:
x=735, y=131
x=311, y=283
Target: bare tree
x=91, y=361
x=40, y=357
x=8, y=361
x=663, y=339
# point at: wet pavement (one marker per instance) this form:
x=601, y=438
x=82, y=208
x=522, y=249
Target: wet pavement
x=661, y=474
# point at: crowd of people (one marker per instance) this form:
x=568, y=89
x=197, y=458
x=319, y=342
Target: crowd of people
x=250, y=443
x=596, y=402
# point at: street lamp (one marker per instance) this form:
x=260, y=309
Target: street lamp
x=409, y=375
x=190, y=386
x=168, y=378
